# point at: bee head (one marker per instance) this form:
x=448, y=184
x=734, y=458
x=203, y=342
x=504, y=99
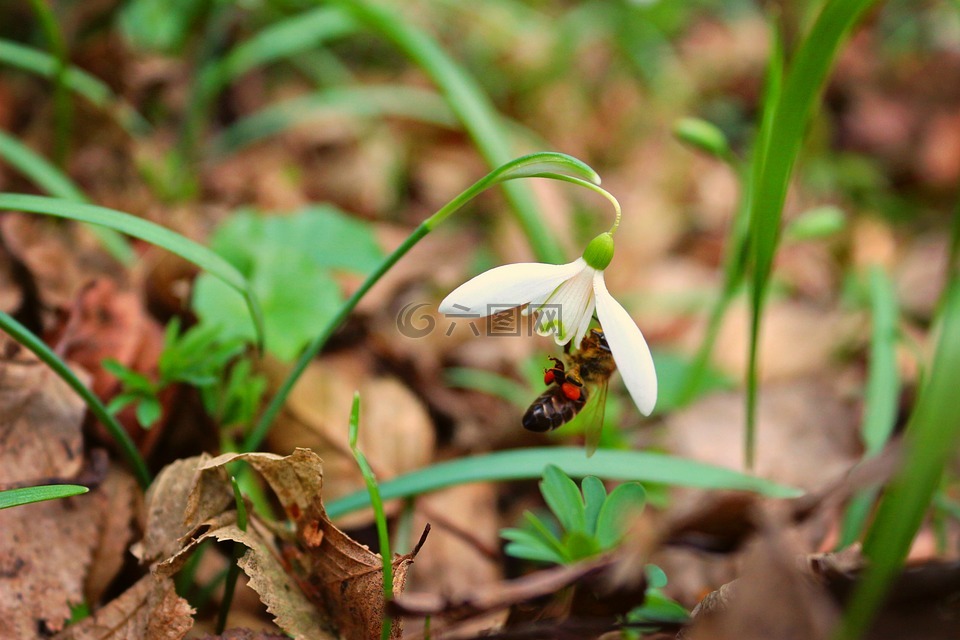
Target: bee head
x=600, y=339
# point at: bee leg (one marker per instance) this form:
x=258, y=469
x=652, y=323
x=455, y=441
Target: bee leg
x=556, y=373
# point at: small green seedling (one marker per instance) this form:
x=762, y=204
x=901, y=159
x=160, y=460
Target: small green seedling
x=200, y=358
x=591, y=521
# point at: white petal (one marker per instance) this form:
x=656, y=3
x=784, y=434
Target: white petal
x=630, y=350
x=564, y=313
x=506, y=287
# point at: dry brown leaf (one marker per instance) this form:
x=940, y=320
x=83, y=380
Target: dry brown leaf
x=243, y=634
x=176, y=504
x=149, y=610
x=319, y=582
x=49, y=550
x=40, y=420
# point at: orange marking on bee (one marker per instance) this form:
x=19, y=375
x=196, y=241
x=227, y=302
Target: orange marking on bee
x=571, y=391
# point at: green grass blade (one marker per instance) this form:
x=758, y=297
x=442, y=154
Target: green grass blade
x=26, y=338
x=363, y=101
x=883, y=381
x=62, y=108
x=930, y=442
x=80, y=82
x=882, y=394
x=283, y=39
x=525, y=464
x=802, y=88
x=57, y=184
x=29, y=495
x=145, y=230
x=470, y=105
x=380, y=516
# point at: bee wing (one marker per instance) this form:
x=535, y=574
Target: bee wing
x=594, y=413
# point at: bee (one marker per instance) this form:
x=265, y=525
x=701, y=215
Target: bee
x=569, y=385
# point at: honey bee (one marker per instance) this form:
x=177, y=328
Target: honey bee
x=569, y=385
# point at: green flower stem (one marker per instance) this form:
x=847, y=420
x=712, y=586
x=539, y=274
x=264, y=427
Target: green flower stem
x=129, y=450
x=61, y=99
x=233, y=572
x=537, y=165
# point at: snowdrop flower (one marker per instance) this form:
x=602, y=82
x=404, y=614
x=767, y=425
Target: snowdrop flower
x=564, y=298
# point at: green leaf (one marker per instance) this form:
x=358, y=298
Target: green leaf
x=594, y=495
x=624, y=503
x=779, y=148
x=529, y=545
x=814, y=224
x=656, y=578
x=702, y=135
x=288, y=261
x=546, y=537
x=659, y=608
x=529, y=463
x=148, y=412
x=159, y=26
x=580, y=546
x=120, y=401
x=28, y=495
x=930, y=442
x=563, y=497
x=532, y=552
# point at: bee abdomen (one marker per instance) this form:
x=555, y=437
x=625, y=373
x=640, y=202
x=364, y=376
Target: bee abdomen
x=551, y=410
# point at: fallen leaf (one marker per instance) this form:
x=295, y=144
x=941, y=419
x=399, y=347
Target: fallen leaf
x=318, y=583
x=243, y=634
x=40, y=420
x=149, y=610
x=52, y=556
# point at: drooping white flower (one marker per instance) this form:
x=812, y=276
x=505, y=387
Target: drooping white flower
x=564, y=298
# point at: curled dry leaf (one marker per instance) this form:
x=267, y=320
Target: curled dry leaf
x=149, y=610
x=318, y=583
x=52, y=555
x=40, y=420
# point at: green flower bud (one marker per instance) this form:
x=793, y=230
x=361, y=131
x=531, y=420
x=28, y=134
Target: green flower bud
x=702, y=135
x=599, y=252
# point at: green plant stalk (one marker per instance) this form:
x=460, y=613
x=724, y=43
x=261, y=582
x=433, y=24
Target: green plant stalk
x=57, y=184
x=238, y=550
x=129, y=450
x=80, y=82
x=380, y=516
x=145, y=230
x=468, y=102
x=63, y=115
x=29, y=495
x=533, y=165
x=930, y=440
x=801, y=90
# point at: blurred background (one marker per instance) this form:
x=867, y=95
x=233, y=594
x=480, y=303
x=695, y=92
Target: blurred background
x=304, y=144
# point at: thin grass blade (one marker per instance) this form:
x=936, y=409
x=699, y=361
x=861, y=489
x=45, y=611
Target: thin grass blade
x=526, y=464
x=29, y=495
